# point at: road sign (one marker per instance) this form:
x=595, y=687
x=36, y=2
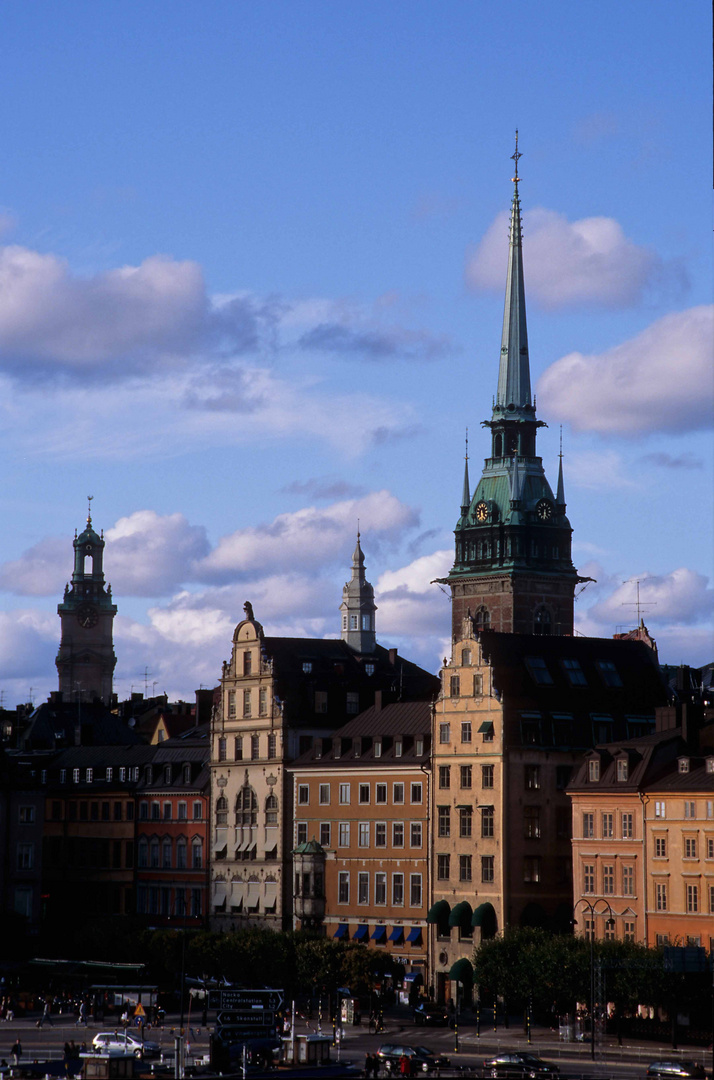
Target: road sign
x=139, y=1010
x=240, y=1033
x=256, y=1015
x=241, y=1000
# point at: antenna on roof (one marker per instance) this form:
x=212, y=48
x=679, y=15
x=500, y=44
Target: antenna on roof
x=637, y=603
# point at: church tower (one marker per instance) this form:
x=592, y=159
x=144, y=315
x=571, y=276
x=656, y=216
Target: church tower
x=86, y=659
x=358, y=608
x=513, y=570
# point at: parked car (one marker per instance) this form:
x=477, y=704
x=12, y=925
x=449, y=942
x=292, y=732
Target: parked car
x=426, y=1012
x=517, y=1065
x=422, y=1058
x=119, y=1042
x=674, y=1069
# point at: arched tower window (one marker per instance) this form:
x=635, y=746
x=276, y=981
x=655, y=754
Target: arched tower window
x=222, y=811
x=271, y=810
x=542, y=622
x=498, y=446
x=482, y=618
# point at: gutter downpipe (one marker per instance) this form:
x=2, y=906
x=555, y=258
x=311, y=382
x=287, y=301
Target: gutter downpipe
x=645, y=900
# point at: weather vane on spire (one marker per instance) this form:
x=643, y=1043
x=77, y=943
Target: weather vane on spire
x=515, y=157
x=89, y=509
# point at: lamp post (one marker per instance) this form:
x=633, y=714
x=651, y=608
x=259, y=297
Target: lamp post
x=591, y=907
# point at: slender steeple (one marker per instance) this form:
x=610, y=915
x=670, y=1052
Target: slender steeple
x=560, y=496
x=358, y=607
x=514, y=380
x=466, y=494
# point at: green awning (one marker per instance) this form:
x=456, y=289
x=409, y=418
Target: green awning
x=486, y=727
x=462, y=971
x=485, y=917
x=439, y=912
x=461, y=915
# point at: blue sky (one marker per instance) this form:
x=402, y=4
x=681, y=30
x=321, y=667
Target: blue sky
x=252, y=260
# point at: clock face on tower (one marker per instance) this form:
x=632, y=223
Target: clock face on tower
x=544, y=510
x=87, y=616
x=481, y=511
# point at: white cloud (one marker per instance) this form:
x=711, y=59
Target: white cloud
x=28, y=646
x=682, y=597
x=660, y=380
x=597, y=469
x=150, y=554
x=41, y=571
x=309, y=537
x=589, y=262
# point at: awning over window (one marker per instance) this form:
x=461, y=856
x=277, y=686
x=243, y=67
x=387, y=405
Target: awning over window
x=415, y=977
x=414, y=935
x=461, y=915
x=342, y=931
x=397, y=934
x=380, y=934
x=271, y=893
x=486, y=727
x=237, y=893
x=220, y=891
x=361, y=933
x=462, y=971
x=439, y=912
x=252, y=894
x=485, y=917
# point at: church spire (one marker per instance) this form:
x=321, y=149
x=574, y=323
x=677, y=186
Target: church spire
x=514, y=381
x=358, y=607
x=560, y=496
x=466, y=494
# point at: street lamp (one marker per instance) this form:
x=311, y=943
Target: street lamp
x=591, y=907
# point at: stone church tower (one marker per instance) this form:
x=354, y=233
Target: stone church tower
x=513, y=570
x=358, y=608
x=86, y=658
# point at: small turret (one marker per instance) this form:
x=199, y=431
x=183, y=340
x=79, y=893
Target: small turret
x=358, y=607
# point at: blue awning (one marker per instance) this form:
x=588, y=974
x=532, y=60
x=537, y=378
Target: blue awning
x=361, y=933
x=413, y=977
x=414, y=935
x=380, y=934
x=342, y=931
x=397, y=934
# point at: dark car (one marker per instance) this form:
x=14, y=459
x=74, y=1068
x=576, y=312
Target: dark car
x=676, y=1068
x=517, y=1065
x=421, y=1057
x=426, y=1012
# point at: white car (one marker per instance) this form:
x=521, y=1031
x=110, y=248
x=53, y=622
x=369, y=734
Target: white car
x=119, y=1042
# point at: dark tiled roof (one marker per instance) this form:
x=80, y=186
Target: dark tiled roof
x=53, y=724
x=356, y=739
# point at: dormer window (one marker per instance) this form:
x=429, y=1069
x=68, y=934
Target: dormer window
x=353, y=622
x=369, y=668
x=710, y=764
x=377, y=747
x=684, y=764
x=307, y=667
x=419, y=747
x=594, y=770
x=357, y=747
x=398, y=747
x=89, y=775
x=337, y=748
x=622, y=769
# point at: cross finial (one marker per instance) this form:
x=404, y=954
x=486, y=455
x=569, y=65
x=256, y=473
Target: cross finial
x=467, y=444
x=89, y=509
x=515, y=157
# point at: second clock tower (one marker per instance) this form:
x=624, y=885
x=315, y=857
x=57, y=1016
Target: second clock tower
x=86, y=658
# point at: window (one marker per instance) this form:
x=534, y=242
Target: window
x=398, y=794
x=478, y=685
x=380, y=793
x=324, y=794
x=539, y=670
x=117, y=811
x=182, y=811
x=343, y=836
x=380, y=834
x=154, y=854
x=465, y=773
x=380, y=888
x=690, y=809
x=487, y=776
x=487, y=868
x=352, y=702
x=167, y=811
x=661, y=847
x=246, y=703
x=608, y=879
x=231, y=703
x=465, y=657
x=442, y=867
x=531, y=822
x=362, y=887
x=562, y=776
x=254, y=747
x=166, y=855
x=444, y=733
x=363, y=834
x=487, y=821
x=89, y=775
x=397, y=834
x=622, y=770
x=180, y=854
x=271, y=811
x=398, y=889
x=26, y=815
x=465, y=868
x=344, y=794
x=454, y=686
x=155, y=811
x=465, y=822
x=444, y=821
x=143, y=853
x=369, y=669
x=262, y=702
x=25, y=856
x=419, y=746
x=531, y=869
x=307, y=667
x=608, y=829
x=594, y=770
x=466, y=731
x=321, y=701
x=659, y=809
x=628, y=930
x=415, y=890
x=692, y=898
x=221, y=811
x=532, y=777
x=710, y=847
x=416, y=793
x=343, y=887
x=661, y=896
x=628, y=881
x=690, y=847
x=589, y=878
x=303, y=794
x=377, y=747
x=588, y=826
x=364, y=793
x=238, y=748
x=398, y=747
x=415, y=834
x=609, y=673
x=301, y=832
x=627, y=823
x=272, y=746
x=325, y=834
x=574, y=673
x=444, y=776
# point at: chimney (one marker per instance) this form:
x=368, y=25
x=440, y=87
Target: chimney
x=377, y=700
x=392, y=657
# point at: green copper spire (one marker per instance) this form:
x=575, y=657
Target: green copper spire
x=514, y=381
x=466, y=494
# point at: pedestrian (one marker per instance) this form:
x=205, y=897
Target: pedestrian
x=368, y=1065
x=404, y=1069
x=376, y=1065
x=16, y=1052
x=82, y=1018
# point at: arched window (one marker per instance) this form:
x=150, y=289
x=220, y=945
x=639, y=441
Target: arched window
x=196, y=853
x=222, y=811
x=181, y=849
x=166, y=854
x=498, y=446
x=271, y=810
x=482, y=618
x=154, y=854
x=143, y=852
x=542, y=623
x=246, y=807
